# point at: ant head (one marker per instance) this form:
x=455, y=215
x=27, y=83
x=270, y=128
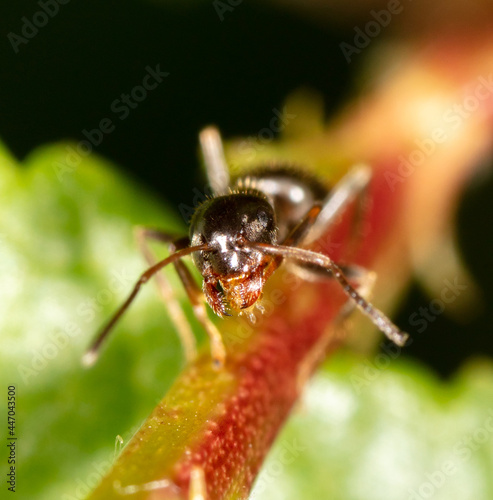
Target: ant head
x=233, y=272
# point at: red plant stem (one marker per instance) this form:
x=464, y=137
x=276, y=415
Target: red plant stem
x=220, y=425
x=225, y=422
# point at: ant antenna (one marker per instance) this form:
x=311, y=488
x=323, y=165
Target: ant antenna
x=92, y=353
x=309, y=257
x=214, y=160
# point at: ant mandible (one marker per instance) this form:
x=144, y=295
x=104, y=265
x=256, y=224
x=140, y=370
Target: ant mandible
x=241, y=235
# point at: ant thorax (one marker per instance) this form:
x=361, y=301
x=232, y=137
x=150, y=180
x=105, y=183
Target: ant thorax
x=292, y=192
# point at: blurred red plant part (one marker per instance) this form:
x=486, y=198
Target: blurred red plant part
x=409, y=18
x=439, y=106
x=218, y=426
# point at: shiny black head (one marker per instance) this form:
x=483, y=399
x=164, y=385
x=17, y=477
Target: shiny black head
x=224, y=223
x=232, y=273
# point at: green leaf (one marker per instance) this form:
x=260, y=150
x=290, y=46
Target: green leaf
x=378, y=429
x=68, y=258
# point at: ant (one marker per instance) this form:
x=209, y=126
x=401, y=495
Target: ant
x=241, y=235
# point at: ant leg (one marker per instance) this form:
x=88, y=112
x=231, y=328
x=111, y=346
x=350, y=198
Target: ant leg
x=197, y=489
x=91, y=354
x=318, y=352
x=352, y=186
x=325, y=262
x=293, y=238
x=322, y=215
x=176, y=313
x=214, y=160
x=364, y=281
x=194, y=294
x=196, y=297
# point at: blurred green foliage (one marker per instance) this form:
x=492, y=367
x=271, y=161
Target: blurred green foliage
x=68, y=258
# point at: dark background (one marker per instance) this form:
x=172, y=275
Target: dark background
x=231, y=73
